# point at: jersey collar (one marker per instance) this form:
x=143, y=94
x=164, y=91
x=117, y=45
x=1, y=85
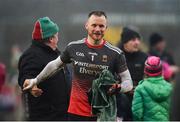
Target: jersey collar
x=94, y=46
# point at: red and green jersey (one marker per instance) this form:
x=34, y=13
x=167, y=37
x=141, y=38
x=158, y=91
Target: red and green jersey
x=88, y=62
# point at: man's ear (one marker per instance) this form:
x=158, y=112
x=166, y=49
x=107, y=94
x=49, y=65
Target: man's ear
x=86, y=25
x=51, y=39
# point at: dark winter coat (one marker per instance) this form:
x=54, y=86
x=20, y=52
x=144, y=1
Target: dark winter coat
x=53, y=103
x=135, y=62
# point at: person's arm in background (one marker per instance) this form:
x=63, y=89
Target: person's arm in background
x=174, y=68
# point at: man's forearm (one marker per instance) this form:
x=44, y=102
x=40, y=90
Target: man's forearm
x=49, y=69
x=126, y=84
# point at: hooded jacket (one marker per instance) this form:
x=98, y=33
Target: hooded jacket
x=152, y=100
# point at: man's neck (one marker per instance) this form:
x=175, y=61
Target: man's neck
x=94, y=42
x=51, y=46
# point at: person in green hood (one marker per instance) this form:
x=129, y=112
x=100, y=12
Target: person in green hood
x=151, y=100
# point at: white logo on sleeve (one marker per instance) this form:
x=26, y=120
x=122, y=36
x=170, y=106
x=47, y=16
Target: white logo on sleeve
x=80, y=54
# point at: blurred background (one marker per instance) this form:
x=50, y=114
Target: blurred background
x=17, y=19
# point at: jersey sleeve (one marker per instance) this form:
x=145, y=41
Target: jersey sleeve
x=120, y=63
x=65, y=57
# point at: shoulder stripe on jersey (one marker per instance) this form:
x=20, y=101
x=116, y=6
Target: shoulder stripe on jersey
x=77, y=42
x=113, y=48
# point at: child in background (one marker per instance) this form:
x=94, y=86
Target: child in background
x=151, y=99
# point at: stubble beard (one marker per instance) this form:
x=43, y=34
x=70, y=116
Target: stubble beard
x=97, y=41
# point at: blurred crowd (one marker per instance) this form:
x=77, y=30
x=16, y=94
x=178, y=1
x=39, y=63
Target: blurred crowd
x=10, y=94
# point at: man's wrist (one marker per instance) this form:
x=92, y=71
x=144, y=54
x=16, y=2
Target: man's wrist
x=35, y=81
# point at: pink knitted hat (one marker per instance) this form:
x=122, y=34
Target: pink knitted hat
x=153, y=66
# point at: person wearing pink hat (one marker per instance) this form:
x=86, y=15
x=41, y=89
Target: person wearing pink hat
x=151, y=101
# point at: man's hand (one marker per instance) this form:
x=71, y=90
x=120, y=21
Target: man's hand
x=35, y=91
x=114, y=89
x=29, y=83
